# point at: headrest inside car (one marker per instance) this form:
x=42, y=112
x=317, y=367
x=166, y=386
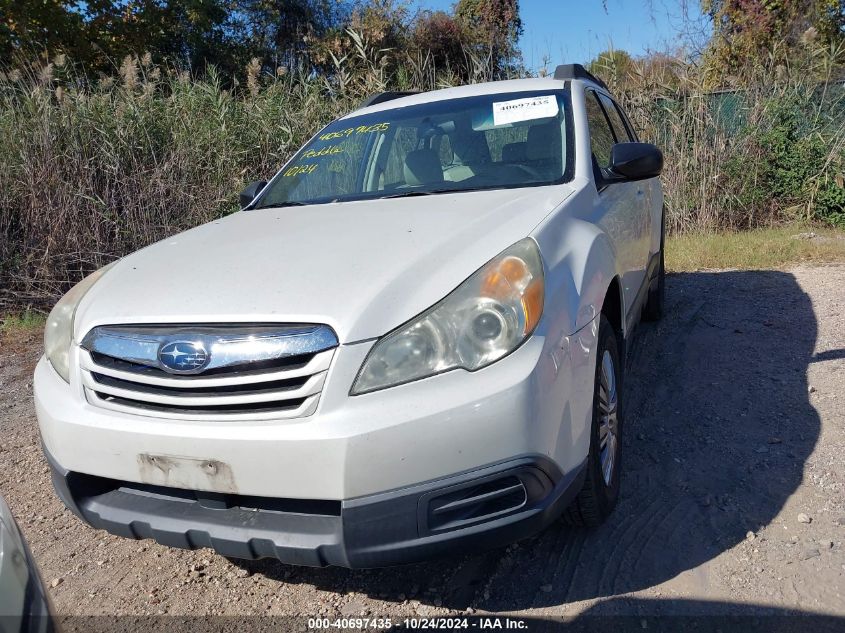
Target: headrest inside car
x=422, y=167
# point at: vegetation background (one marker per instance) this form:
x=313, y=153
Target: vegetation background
x=125, y=121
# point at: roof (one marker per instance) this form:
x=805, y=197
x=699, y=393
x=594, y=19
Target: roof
x=459, y=92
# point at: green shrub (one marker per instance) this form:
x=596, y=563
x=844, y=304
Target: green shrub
x=769, y=149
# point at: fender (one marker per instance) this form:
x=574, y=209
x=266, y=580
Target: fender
x=581, y=264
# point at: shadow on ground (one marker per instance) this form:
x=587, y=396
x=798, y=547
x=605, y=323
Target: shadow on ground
x=673, y=615
x=718, y=429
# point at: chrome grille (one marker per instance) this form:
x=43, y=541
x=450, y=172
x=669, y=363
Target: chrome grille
x=252, y=372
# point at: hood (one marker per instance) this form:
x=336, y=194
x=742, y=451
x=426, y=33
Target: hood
x=362, y=267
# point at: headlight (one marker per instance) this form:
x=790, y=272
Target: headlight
x=58, y=333
x=485, y=318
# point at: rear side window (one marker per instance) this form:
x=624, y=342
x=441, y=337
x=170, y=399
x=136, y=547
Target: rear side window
x=619, y=129
x=601, y=136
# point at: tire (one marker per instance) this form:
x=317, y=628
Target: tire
x=600, y=492
x=653, y=309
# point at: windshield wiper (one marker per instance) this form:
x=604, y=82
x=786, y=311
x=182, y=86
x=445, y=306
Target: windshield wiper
x=289, y=203
x=408, y=194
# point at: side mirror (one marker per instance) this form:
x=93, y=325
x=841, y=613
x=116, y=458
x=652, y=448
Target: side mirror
x=251, y=191
x=635, y=161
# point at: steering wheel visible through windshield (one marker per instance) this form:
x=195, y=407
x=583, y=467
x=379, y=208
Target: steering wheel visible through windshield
x=483, y=142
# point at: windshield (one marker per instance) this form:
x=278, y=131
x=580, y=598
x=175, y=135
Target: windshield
x=485, y=142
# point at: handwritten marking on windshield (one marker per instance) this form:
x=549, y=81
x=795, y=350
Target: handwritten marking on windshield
x=300, y=169
x=361, y=129
x=325, y=151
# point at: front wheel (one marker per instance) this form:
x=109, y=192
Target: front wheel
x=601, y=486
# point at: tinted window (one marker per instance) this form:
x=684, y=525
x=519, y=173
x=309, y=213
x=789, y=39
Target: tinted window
x=601, y=136
x=619, y=128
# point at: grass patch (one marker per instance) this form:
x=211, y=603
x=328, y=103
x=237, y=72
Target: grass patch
x=22, y=322
x=756, y=249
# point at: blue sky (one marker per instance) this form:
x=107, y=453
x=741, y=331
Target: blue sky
x=578, y=30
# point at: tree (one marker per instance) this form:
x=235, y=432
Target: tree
x=612, y=65
x=479, y=38
x=278, y=31
x=493, y=28
x=227, y=34
x=440, y=36
x=44, y=26
x=192, y=33
x=749, y=30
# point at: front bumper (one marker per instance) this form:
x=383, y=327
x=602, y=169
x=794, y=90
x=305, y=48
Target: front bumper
x=530, y=403
x=470, y=511
x=346, y=485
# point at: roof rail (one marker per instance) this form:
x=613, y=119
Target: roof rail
x=577, y=71
x=381, y=97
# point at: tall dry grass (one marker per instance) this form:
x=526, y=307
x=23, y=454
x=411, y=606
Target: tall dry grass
x=767, y=149
x=90, y=174
x=92, y=171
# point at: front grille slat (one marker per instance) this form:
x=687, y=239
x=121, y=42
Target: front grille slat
x=240, y=387
x=312, y=386
x=284, y=405
x=188, y=390
x=258, y=412
x=147, y=373
x=315, y=364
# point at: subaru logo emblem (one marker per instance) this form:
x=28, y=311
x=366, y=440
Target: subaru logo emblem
x=183, y=357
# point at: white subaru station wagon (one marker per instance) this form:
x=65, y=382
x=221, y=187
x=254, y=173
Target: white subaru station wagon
x=411, y=341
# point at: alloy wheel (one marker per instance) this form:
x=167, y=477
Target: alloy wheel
x=608, y=406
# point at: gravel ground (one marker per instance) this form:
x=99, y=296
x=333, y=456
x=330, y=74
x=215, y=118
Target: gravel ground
x=732, y=498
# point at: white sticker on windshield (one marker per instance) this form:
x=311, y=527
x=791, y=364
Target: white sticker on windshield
x=505, y=112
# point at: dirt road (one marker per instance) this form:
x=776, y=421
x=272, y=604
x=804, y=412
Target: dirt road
x=733, y=496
